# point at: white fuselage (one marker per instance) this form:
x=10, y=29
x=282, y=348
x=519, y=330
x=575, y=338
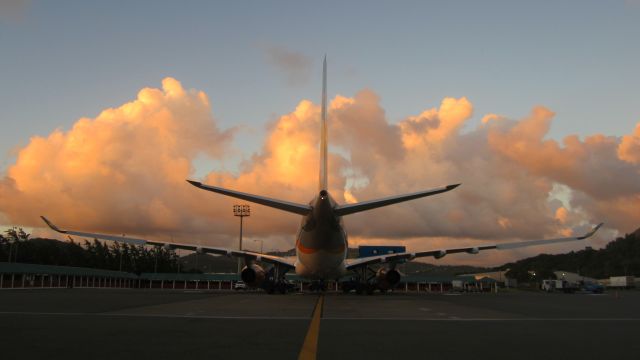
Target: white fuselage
x=321, y=243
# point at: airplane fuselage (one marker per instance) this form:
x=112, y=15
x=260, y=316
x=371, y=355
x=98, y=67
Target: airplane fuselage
x=321, y=243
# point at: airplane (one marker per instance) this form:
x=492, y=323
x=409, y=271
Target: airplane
x=321, y=241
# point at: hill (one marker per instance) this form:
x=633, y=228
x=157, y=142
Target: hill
x=619, y=257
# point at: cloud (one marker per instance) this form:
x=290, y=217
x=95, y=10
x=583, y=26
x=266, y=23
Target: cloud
x=601, y=171
x=124, y=172
x=294, y=65
x=629, y=148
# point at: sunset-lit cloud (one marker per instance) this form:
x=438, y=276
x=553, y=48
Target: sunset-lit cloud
x=629, y=148
x=124, y=171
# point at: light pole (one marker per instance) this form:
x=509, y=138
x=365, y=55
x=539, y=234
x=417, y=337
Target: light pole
x=241, y=211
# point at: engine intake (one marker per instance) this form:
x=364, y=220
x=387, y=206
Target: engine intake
x=253, y=275
x=387, y=278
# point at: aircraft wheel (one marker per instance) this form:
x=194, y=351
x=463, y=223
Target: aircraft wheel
x=282, y=288
x=370, y=289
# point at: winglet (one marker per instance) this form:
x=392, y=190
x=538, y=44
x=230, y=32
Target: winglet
x=194, y=183
x=53, y=227
x=590, y=233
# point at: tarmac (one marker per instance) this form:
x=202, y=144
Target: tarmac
x=161, y=324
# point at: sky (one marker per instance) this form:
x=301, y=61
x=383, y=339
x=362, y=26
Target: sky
x=105, y=108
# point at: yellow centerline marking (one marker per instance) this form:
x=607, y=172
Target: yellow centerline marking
x=310, y=346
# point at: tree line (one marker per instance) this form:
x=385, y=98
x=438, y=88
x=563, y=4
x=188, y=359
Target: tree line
x=619, y=257
x=17, y=246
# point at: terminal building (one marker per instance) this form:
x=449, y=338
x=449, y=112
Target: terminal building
x=498, y=276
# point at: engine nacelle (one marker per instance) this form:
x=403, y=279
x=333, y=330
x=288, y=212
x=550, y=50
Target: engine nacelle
x=474, y=250
x=253, y=275
x=387, y=278
x=440, y=254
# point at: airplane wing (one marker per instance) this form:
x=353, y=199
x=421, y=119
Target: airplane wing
x=405, y=256
x=300, y=209
x=347, y=209
x=288, y=263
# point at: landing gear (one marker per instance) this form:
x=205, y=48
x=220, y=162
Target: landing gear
x=364, y=282
x=275, y=281
x=365, y=288
x=360, y=287
x=347, y=286
x=277, y=287
x=318, y=286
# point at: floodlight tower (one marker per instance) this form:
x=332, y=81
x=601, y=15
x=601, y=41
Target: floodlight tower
x=241, y=211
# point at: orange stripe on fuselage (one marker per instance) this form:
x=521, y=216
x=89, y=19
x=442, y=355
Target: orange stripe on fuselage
x=306, y=250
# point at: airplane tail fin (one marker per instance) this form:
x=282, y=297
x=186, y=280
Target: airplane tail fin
x=323, y=130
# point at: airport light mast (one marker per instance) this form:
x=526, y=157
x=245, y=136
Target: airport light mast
x=241, y=211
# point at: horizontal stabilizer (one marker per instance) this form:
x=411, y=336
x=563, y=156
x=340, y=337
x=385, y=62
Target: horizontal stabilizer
x=274, y=203
x=373, y=204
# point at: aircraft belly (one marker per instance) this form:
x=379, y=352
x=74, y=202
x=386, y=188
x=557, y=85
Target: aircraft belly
x=320, y=265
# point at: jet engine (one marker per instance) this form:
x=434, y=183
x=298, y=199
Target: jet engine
x=387, y=278
x=253, y=275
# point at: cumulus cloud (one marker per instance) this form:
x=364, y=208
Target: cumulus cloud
x=294, y=65
x=629, y=148
x=600, y=170
x=124, y=171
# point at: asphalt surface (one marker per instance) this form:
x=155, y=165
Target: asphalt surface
x=157, y=324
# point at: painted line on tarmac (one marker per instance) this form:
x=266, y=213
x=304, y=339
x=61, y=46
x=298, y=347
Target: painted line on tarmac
x=217, y=317
x=309, y=349
x=172, y=316
x=456, y=319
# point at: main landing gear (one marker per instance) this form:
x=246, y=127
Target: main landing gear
x=359, y=287
x=318, y=286
x=362, y=283
x=276, y=283
x=280, y=287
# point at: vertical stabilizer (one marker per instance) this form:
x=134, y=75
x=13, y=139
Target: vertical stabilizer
x=323, y=129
